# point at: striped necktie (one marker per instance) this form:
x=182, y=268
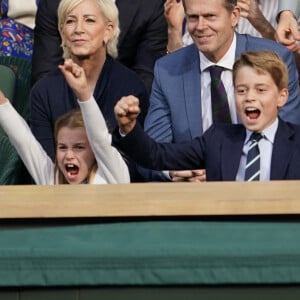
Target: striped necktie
x=253, y=158
x=219, y=101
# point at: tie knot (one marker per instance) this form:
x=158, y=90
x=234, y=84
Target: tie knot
x=256, y=136
x=215, y=71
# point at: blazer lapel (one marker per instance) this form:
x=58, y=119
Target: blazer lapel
x=192, y=91
x=282, y=151
x=241, y=45
x=231, y=152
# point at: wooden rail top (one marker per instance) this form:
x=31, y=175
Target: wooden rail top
x=150, y=199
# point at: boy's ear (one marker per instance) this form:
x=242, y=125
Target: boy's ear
x=282, y=98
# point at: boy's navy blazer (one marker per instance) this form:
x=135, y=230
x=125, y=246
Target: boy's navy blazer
x=219, y=150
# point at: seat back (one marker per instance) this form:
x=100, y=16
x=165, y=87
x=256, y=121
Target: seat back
x=12, y=170
x=7, y=81
x=22, y=69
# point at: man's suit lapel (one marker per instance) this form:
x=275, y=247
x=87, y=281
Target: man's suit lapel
x=241, y=45
x=192, y=91
x=231, y=152
x=283, y=148
x=126, y=19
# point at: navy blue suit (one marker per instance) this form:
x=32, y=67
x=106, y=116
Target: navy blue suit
x=218, y=150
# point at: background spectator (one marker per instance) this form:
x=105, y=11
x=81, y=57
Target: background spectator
x=16, y=27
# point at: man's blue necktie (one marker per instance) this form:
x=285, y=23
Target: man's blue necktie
x=253, y=158
x=219, y=101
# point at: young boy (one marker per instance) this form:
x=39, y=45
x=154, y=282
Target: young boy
x=260, y=82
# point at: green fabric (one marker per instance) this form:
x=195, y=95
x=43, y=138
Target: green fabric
x=151, y=253
x=12, y=170
x=7, y=81
x=22, y=69
x=11, y=167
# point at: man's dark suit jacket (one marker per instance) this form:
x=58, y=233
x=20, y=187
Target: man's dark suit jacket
x=219, y=150
x=143, y=37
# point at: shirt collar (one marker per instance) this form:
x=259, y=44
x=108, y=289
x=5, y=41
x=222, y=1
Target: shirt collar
x=268, y=133
x=226, y=61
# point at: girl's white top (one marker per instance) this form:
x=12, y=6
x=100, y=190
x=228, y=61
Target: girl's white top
x=111, y=166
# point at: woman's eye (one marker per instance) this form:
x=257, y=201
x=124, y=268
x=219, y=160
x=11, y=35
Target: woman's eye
x=70, y=21
x=89, y=20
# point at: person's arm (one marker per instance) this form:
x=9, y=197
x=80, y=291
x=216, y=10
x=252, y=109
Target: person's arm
x=47, y=53
x=109, y=160
x=174, y=13
x=287, y=32
x=144, y=150
x=251, y=11
x=37, y=162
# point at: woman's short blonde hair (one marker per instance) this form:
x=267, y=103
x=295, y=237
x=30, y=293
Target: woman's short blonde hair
x=110, y=13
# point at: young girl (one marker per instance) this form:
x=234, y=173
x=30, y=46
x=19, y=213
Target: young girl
x=83, y=144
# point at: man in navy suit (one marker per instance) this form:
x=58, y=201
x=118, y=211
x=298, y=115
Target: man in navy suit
x=142, y=40
x=180, y=102
x=260, y=82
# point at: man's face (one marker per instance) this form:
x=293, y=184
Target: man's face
x=211, y=26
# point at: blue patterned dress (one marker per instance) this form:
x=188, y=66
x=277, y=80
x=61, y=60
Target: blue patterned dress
x=16, y=39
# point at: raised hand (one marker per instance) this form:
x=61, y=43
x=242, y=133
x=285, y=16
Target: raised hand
x=76, y=79
x=174, y=14
x=251, y=11
x=126, y=111
x=287, y=32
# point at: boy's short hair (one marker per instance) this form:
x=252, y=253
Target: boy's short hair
x=264, y=62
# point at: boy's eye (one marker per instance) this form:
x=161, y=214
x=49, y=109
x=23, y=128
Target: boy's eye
x=61, y=147
x=261, y=90
x=241, y=91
